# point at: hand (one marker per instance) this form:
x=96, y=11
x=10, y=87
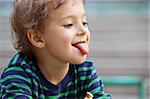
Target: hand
x=89, y=96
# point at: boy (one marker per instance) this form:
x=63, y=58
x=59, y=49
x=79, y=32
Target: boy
x=52, y=40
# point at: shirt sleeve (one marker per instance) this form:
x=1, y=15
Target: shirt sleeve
x=15, y=84
x=96, y=86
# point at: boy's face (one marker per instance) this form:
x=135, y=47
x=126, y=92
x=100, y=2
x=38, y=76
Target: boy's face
x=66, y=34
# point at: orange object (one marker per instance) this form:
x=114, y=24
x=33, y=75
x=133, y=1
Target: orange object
x=89, y=96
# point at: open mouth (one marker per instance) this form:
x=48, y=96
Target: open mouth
x=82, y=46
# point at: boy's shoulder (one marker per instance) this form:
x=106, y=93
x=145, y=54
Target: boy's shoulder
x=20, y=61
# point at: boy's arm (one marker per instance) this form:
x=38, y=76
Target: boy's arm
x=95, y=86
x=15, y=84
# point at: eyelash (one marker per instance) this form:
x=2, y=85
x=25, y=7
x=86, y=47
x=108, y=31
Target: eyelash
x=85, y=24
x=70, y=25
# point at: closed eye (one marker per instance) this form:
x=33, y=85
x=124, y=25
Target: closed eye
x=85, y=24
x=68, y=25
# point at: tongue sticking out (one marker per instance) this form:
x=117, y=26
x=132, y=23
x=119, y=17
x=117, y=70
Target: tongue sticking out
x=83, y=47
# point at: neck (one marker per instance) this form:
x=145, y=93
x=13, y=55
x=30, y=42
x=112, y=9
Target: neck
x=53, y=69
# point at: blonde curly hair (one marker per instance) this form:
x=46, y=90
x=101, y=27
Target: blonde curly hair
x=26, y=15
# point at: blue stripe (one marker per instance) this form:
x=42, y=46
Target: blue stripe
x=94, y=76
x=94, y=86
x=16, y=80
x=86, y=64
x=21, y=97
x=20, y=59
x=14, y=72
x=21, y=89
x=84, y=73
x=79, y=85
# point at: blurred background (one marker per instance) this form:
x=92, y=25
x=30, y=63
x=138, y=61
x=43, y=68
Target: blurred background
x=118, y=48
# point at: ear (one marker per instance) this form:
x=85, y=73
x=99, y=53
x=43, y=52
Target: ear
x=35, y=38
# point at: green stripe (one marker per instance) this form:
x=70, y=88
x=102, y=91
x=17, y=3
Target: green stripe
x=93, y=72
x=84, y=77
x=94, y=81
x=18, y=85
x=15, y=59
x=13, y=68
x=35, y=82
x=17, y=94
x=63, y=94
x=19, y=77
x=52, y=97
x=17, y=68
x=81, y=78
x=85, y=68
x=94, y=91
x=35, y=92
x=69, y=92
x=88, y=61
x=45, y=88
x=31, y=72
x=15, y=76
x=23, y=61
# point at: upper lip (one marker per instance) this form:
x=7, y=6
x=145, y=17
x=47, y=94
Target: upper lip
x=78, y=42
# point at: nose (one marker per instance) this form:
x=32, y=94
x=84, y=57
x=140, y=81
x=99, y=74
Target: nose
x=83, y=31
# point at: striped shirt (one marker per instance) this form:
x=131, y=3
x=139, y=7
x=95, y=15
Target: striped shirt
x=22, y=79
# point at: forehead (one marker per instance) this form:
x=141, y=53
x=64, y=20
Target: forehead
x=68, y=8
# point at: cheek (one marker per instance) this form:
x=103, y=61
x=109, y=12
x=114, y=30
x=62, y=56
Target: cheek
x=89, y=35
x=59, y=39
x=65, y=37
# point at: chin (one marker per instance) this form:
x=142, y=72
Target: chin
x=79, y=61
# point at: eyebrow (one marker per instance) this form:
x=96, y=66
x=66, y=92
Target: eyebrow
x=72, y=15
